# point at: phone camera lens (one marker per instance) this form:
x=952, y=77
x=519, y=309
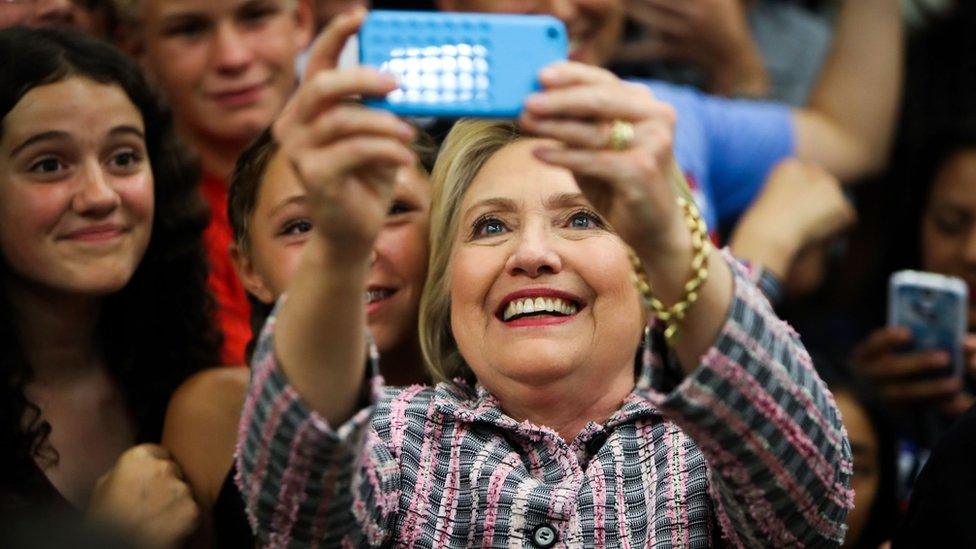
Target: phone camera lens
x=553, y=33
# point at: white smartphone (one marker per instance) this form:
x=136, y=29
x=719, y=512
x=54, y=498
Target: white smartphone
x=934, y=308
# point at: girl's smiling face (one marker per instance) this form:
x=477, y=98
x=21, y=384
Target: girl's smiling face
x=281, y=224
x=76, y=188
x=949, y=223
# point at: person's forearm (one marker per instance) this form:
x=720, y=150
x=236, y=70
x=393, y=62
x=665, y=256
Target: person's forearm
x=320, y=337
x=741, y=74
x=755, y=398
x=667, y=271
x=769, y=249
x=848, y=124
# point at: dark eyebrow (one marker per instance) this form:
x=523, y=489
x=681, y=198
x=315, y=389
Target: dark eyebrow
x=43, y=136
x=497, y=204
x=294, y=199
x=182, y=16
x=55, y=134
x=251, y=4
x=130, y=130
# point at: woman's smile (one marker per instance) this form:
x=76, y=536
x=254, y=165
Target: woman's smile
x=532, y=307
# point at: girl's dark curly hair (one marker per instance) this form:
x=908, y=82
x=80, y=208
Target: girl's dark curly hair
x=158, y=329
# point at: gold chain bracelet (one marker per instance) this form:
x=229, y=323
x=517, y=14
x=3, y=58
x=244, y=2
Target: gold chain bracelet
x=701, y=246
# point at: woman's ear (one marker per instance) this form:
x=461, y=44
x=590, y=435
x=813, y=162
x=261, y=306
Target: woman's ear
x=253, y=282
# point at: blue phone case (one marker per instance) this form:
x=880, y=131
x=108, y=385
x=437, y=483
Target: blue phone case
x=460, y=64
x=934, y=308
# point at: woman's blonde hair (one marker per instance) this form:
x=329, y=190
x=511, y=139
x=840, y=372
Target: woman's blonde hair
x=468, y=146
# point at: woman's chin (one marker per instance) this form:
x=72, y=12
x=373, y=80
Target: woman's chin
x=537, y=364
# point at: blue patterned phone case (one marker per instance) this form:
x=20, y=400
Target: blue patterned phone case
x=460, y=64
x=934, y=307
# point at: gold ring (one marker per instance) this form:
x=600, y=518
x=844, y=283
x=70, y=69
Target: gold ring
x=621, y=135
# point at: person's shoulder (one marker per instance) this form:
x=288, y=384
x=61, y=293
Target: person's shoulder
x=215, y=394
x=201, y=426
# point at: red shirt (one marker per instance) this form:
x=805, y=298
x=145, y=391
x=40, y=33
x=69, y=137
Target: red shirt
x=233, y=309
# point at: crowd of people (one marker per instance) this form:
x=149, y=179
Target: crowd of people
x=240, y=308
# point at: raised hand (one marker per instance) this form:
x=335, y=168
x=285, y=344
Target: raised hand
x=633, y=187
x=631, y=178
x=800, y=207
x=900, y=377
x=712, y=34
x=344, y=154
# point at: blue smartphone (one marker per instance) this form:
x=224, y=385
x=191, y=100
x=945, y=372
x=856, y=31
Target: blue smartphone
x=934, y=308
x=457, y=65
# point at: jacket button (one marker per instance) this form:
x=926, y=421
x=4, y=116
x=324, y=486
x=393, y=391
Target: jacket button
x=544, y=536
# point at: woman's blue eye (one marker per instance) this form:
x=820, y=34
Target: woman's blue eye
x=584, y=220
x=488, y=227
x=493, y=227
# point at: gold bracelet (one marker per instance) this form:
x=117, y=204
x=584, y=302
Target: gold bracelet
x=701, y=246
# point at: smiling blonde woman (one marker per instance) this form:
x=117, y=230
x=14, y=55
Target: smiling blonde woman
x=557, y=420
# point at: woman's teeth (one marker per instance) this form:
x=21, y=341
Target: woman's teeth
x=373, y=296
x=530, y=305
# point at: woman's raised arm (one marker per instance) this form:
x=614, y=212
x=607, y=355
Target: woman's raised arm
x=346, y=156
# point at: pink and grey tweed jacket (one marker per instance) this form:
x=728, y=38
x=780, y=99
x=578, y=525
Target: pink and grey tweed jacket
x=748, y=450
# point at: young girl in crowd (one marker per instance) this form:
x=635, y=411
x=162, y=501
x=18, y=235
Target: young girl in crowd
x=271, y=219
x=937, y=234
x=226, y=67
x=102, y=279
x=542, y=430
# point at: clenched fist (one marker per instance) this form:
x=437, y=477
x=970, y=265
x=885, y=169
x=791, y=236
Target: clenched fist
x=144, y=493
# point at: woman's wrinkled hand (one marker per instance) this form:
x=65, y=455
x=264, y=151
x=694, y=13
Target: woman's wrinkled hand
x=346, y=155
x=633, y=187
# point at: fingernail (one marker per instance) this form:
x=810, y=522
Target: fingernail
x=535, y=101
x=406, y=130
x=942, y=358
x=549, y=74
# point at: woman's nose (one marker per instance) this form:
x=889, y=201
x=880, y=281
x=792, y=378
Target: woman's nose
x=95, y=196
x=534, y=254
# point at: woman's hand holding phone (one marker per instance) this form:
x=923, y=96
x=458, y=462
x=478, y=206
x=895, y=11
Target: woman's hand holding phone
x=905, y=378
x=345, y=156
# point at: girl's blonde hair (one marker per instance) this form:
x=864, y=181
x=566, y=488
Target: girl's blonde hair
x=465, y=150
